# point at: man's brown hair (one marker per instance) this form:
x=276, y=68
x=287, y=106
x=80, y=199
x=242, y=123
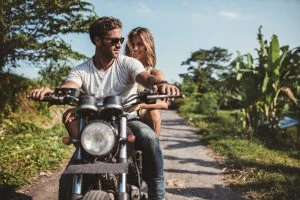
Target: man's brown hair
x=101, y=26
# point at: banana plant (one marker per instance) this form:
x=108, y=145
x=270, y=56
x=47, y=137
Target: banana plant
x=248, y=89
x=261, y=82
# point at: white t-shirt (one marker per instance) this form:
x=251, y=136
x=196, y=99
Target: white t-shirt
x=118, y=79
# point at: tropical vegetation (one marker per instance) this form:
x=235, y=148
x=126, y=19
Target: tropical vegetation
x=241, y=105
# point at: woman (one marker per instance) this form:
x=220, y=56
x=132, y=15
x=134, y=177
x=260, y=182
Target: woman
x=140, y=45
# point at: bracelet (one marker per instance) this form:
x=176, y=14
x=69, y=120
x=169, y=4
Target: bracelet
x=162, y=82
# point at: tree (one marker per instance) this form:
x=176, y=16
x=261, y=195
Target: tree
x=31, y=30
x=206, y=72
x=53, y=75
x=206, y=65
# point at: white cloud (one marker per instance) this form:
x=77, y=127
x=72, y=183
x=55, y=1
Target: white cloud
x=229, y=14
x=235, y=15
x=143, y=8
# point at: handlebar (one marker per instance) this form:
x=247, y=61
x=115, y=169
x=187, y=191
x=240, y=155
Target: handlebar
x=61, y=96
x=163, y=96
x=70, y=96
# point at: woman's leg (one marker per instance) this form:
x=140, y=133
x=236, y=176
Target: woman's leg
x=148, y=143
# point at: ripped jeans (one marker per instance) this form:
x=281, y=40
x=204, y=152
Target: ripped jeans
x=153, y=169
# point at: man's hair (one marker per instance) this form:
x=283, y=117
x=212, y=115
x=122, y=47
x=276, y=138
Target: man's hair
x=148, y=41
x=101, y=26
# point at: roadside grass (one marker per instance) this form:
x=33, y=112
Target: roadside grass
x=28, y=150
x=30, y=139
x=252, y=166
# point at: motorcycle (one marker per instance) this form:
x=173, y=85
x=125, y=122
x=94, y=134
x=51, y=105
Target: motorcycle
x=105, y=164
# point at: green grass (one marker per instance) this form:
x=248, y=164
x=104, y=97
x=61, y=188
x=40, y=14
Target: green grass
x=26, y=150
x=30, y=140
x=254, y=167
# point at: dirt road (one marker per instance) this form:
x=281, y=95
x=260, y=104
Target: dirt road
x=190, y=170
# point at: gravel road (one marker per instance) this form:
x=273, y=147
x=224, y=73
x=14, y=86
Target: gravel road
x=190, y=169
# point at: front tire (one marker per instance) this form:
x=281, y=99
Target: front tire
x=65, y=187
x=96, y=195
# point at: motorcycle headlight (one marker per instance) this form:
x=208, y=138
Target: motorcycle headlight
x=98, y=138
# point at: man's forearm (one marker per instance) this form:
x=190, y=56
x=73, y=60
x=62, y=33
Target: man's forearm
x=154, y=80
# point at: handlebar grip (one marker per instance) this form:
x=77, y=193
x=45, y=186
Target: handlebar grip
x=35, y=99
x=162, y=96
x=52, y=99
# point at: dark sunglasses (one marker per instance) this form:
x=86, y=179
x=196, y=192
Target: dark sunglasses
x=114, y=41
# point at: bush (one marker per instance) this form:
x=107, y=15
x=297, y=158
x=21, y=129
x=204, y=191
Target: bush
x=208, y=104
x=189, y=105
x=13, y=90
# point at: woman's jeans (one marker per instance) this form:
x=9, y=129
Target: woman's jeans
x=153, y=169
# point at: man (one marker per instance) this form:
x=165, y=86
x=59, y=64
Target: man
x=109, y=73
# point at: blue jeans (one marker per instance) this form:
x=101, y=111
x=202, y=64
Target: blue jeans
x=153, y=169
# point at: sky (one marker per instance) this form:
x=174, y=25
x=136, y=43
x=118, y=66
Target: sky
x=181, y=27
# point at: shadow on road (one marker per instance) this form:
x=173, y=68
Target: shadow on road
x=203, y=163
x=204, y=193
x=181, y=144
x=8, y=193
x=179, y=129
x=166, y=137
x=179, y=171
x=173, y=122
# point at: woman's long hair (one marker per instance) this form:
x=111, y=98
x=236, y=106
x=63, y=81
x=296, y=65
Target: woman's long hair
x=148, y=41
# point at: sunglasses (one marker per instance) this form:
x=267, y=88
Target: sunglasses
x=114, y=41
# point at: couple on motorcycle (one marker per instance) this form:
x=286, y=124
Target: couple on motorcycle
x=110, y=73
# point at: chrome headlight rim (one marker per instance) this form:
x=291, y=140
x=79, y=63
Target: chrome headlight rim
x=108, y=134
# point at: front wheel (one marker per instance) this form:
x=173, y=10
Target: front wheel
x=96, y=195
x=65, y=187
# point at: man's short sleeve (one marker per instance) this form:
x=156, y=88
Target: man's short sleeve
x=136, y=67
x=74, y=75
x=77, y=74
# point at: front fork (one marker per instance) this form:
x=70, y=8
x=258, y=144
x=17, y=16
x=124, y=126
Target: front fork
x=77, y=178
x=123, y=156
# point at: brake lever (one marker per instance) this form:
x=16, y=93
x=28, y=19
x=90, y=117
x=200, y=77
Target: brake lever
x=144, y=97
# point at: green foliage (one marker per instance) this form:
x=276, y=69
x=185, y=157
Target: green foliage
x=53, y=75
x=208, y=104
x=254, y=85
x=204, y=66
x=260, y=83
x=204, y=83
x=28, y=151
x=13, y=90
x=189, y=88
x=27, y=148
x=189, y=105
x=31, y=30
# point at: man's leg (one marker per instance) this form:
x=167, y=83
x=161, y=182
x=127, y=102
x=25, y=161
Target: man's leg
x=148, y=143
